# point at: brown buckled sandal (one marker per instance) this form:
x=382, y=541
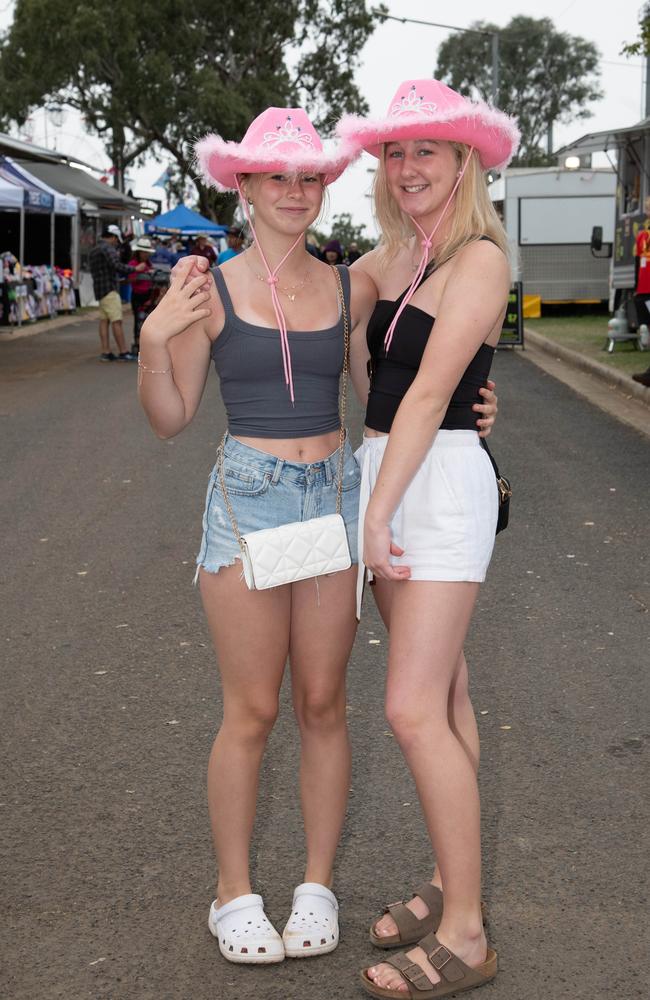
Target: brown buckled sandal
x=410, y=929
x=455, y=976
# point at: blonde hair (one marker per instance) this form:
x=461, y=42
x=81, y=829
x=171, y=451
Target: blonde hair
x=472, y=213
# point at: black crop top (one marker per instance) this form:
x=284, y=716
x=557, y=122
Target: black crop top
x=391, y=376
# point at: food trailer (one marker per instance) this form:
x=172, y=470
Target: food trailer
x=629, y=152
x=549, y=214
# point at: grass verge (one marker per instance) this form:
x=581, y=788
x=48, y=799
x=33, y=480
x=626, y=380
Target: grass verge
x=587, y=334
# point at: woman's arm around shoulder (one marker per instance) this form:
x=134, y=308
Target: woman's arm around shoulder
x=175, y=346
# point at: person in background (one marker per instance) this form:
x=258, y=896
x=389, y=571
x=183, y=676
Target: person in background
x=642, y=283
x=642, y=270
x=235, y=240
x=180, y=250
x=312, y=247
x=162, y=253
x=353, y=253
x=333, y=252
x=124, y=255
x=141, y=283
x=105, y=268
x=203, y=248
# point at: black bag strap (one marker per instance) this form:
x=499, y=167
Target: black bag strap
x=491, y=457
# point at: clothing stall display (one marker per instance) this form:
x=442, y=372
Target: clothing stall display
x=28, y=294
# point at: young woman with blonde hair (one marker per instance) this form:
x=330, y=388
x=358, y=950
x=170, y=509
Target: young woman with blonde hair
x=429, y=498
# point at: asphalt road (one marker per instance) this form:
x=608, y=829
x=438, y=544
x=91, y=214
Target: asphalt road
x=110, y=700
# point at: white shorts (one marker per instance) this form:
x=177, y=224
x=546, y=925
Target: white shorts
x=446, y=521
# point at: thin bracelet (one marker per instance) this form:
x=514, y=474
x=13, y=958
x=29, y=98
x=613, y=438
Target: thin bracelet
x=154, y=371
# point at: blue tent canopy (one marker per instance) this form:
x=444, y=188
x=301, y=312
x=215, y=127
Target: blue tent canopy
x=35, y=197
x=184, y=222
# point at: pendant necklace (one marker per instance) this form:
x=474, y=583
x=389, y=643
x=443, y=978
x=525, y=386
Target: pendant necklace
x=291, y=291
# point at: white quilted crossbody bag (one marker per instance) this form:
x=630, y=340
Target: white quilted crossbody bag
x=272, y=557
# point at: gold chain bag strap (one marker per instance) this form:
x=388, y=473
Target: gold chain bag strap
x=272, y=557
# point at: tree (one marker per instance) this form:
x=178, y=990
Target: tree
x=346, y=232
x=156, y=74
x=640, y=47
x=545, y=76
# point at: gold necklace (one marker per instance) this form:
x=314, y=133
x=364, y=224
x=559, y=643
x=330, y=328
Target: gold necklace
x=291, y=291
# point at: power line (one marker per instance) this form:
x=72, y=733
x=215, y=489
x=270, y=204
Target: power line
x=436, y=24
x=630, y=65
x=493, y=35
x=482, y=31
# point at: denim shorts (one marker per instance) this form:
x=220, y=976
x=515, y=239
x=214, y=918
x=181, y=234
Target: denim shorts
x=265, y=492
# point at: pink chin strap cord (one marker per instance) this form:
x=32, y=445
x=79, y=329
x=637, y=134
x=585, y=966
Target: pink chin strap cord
x=427, y=243
x=272, y=281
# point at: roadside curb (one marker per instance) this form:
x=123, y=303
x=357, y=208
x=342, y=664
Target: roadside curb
x=42, y=326
x=597, y=368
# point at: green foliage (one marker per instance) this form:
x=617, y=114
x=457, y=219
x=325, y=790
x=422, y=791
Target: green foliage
x=545, y=76
x=156, y=74
x=640, y=47
x=346, y=232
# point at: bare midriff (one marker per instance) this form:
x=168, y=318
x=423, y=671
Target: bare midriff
x=305, y=449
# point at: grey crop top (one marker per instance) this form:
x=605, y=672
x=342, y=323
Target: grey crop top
x=248, y=361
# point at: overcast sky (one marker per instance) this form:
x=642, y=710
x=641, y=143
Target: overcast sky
x=397, y=52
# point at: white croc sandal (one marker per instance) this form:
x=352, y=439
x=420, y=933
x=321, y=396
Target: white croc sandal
x=244, y=932
x=313, y=927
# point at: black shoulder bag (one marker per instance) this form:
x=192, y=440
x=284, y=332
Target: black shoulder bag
x=505, y=491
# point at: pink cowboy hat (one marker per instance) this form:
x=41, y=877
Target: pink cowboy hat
x=429, y=109
x=278, y=139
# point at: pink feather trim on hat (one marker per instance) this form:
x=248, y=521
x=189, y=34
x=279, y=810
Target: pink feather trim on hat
x=278, y=139
x=429, y=109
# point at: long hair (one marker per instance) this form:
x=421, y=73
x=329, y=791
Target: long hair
x=471, y=214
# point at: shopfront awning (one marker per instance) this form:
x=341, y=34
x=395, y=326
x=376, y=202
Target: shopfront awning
x=64, y=204
x=69, y=180
x=21, y=150
x=602, y=142
x=11, y=196
x=35, y=199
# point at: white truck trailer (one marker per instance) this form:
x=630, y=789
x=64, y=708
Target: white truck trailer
x=549, y=214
